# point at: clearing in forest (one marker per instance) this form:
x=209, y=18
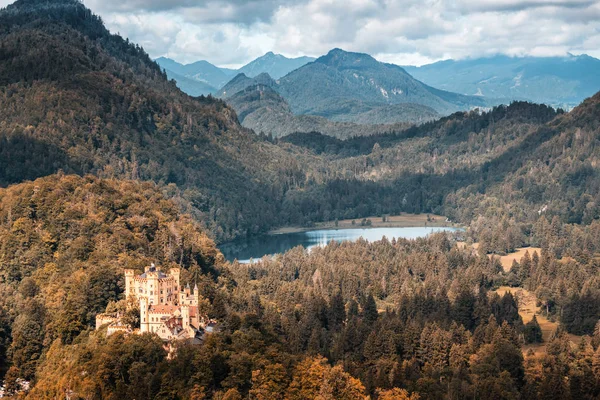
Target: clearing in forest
x=527, y=302
x=508, y=259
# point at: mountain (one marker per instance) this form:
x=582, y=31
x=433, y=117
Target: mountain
x=324, y=86
x=354, y=88
x=202, y=77
x=201, y=71
x=241, y=81
x=263, y=110
x=275, y=65
x=191, y=86
x=559, y=81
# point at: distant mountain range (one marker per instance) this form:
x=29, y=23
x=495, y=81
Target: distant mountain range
x=209, y=75
x=558, y=81
x=356, y=88
x=213, y=78
x=342, y=87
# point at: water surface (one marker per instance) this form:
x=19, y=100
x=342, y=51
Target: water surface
x=257, y=247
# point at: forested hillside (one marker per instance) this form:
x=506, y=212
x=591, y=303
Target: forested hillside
x=74, y=97
x=65, y=241
x=108, y=109
x=262, y=109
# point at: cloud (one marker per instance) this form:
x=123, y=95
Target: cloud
x=232, y=32
x=244, y=12
x=470, y=6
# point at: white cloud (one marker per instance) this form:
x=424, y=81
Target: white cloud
x=232, y=32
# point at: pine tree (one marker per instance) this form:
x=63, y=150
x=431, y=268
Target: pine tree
x=370, y=313
x=337, y=312
x=532, y=331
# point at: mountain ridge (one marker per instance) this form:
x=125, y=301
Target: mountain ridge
x=558, y=81
x=276, y=65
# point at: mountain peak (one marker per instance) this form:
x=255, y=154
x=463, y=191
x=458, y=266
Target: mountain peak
x=41, y=4
x=339, y=58
x=276, y=65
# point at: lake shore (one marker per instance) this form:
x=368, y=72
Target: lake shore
x=396, y=221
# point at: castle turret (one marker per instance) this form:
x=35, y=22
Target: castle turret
x=152, y=285
x=144, y=319
x=175, y=273
x=129, y=282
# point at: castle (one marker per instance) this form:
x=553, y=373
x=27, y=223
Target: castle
x=165, y=309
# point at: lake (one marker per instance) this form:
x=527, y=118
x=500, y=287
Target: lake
x=255, y=248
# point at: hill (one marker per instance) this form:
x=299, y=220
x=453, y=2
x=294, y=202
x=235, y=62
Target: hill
x=276, y=65
x=263, y=110
x=559, y=81
x=65, y=241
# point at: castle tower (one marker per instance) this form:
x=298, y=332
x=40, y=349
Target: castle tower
x=152, y=286
x=129, y=282
x=196, y=295
x=175, y=273
x=144, y=318
x=185, y=315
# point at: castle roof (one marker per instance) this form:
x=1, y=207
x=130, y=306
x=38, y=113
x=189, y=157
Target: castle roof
x=163, y=308
x=193, y=311
x=161, y=275
x=174, y=325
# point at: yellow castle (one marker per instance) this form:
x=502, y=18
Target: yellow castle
x=165, y=309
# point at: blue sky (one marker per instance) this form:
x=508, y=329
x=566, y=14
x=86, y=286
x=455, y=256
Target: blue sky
x=233, y=32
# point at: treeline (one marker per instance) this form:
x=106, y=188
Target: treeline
x=458, y=126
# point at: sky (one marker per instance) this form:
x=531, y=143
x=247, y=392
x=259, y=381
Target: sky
x=230, y=33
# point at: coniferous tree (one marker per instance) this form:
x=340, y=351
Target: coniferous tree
x=532, y=331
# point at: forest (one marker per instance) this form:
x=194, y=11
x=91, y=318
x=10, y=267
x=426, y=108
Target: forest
x=106, y=165
x=391, y=320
